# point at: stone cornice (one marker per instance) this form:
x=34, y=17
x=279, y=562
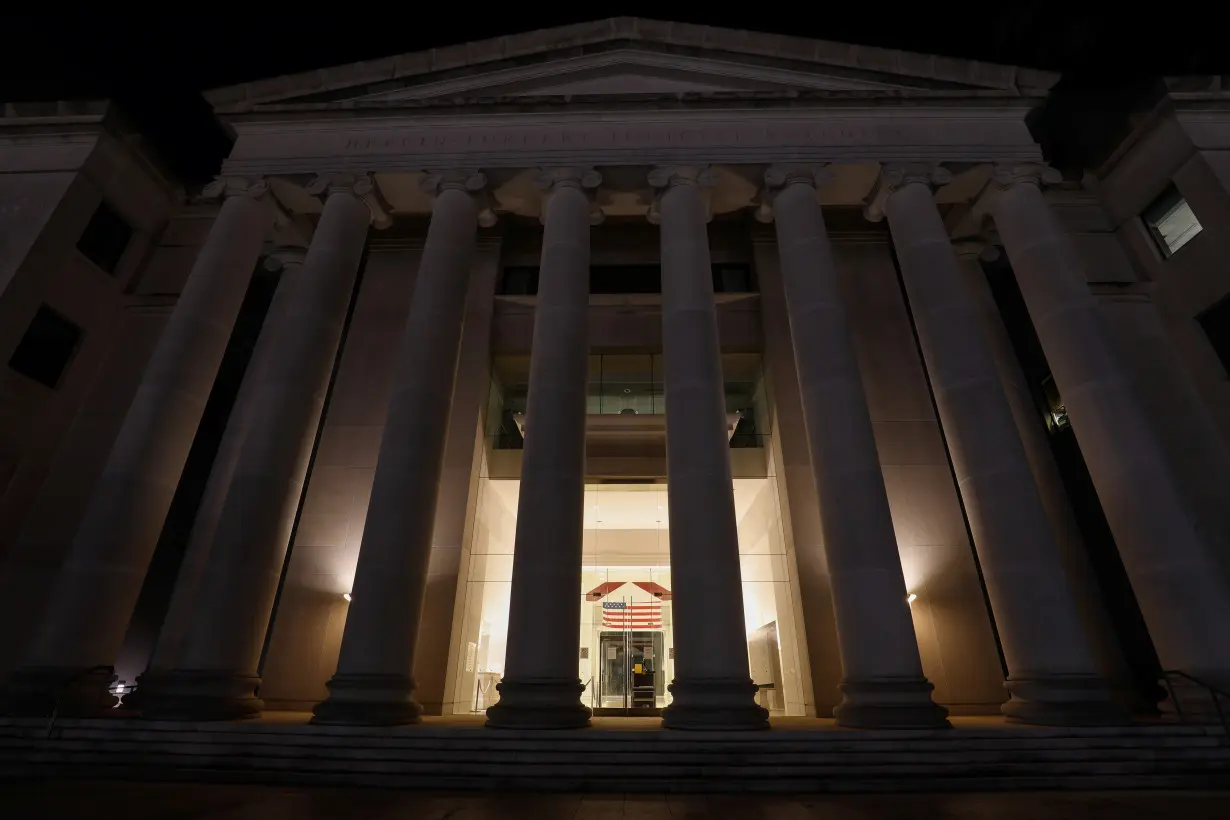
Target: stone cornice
x=719, y=100
x=864, y=133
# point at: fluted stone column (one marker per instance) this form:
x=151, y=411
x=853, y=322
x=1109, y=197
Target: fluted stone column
x=712, y=688
x=1179, y=586
x=540, y=688
x=214, y=676
x=882, y=678
x=100, y=580
x=373, y=684
x=1052, y=674
x=181, y=611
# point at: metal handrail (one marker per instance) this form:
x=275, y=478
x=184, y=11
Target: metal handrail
x=1213, y=691
x=70, y=680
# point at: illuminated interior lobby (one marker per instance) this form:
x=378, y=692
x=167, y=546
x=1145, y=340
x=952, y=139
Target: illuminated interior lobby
x=629, y=369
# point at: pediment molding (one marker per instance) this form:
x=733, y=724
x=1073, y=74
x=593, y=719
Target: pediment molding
x=632, y=69
x=661, y=57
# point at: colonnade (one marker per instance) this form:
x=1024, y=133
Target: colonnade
x=208, y=668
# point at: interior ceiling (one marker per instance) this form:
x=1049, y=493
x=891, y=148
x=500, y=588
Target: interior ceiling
x=613, y=507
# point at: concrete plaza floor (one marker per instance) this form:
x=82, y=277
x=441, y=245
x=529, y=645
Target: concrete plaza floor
x=167, y=801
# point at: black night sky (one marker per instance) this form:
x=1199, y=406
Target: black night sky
x=155, y=64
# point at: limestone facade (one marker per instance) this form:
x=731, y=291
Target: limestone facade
x=829, y=393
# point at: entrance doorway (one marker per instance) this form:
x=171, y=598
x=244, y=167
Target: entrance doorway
x=631, y=679
x=629, y=643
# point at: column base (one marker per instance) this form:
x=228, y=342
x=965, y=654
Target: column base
x=539, y=704
x=1061, y=700
x=707, y=704
x=368, y=700
x=889, y=703
x=43, y=691
x=191, y=694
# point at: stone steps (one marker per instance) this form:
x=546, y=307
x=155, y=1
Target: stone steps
x=470, y=757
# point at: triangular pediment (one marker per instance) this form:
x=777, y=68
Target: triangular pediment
x=623, y=57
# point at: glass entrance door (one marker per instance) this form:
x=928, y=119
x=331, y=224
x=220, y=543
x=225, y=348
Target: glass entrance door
x=631, y=645
x=631, y=680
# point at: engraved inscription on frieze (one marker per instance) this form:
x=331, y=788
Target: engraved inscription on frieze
x=589, y=137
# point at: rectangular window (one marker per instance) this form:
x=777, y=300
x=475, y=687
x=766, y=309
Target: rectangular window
x=105, y=238
x=732, y=279
x=518, y=281
x=1171, y=222
x=46, y=347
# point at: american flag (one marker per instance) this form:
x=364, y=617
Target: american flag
x=623, y=615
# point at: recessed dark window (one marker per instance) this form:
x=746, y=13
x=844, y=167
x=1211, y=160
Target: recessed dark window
x=46, y=348
x=732, y=279
x=1215, y=322
x=106, y=238
x=1170, y=221
x=519, y=281
x=625, y=279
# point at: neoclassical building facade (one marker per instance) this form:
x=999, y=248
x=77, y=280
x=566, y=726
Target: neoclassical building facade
x=626, y=368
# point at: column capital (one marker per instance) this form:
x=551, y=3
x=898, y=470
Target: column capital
x=695, y=176
x=1040, y=174
x=548, y=179
x=463, y=180
x=586, y=180
x=814, y=174
x=778, y=177
x=896, y=175
x=284, y=257
x=467, y=181
x=360, y=186
x=227, y=186
x=665, y=177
